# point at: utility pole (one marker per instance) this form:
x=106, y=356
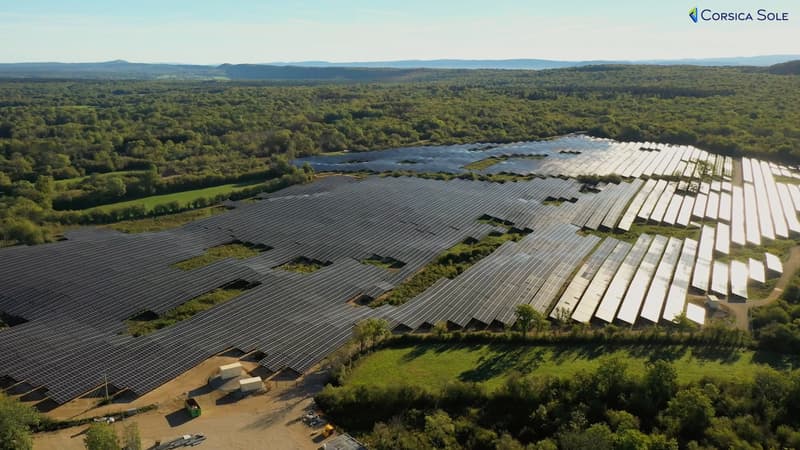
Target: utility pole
x=105, y=378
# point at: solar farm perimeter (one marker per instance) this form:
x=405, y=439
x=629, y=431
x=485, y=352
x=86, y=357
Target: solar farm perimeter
x=72, y=298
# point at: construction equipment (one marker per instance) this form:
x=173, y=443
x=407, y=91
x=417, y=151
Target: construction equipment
x=328, y=430
x=187, y=440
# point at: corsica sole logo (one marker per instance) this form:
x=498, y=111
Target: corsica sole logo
x=760, y=15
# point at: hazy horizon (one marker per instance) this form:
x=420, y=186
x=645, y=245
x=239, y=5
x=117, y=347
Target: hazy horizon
x=378, y=61
x=201, y=32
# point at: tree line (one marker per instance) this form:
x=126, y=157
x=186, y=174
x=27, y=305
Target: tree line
x=18, y=420
x=77, y=144
x=607, y=408
x=27, y=218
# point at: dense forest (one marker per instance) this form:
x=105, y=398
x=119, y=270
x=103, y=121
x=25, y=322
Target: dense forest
x=607, y=408
x=777, y=325
x=69, y=146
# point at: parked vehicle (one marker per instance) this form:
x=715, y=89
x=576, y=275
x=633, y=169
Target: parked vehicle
x=192, y=407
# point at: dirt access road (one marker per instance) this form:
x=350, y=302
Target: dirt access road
x=740, y=311
x=266, y=421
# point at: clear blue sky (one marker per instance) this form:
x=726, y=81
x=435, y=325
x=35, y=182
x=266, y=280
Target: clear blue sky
x=239, y=31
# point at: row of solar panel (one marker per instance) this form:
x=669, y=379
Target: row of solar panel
x=650, y=279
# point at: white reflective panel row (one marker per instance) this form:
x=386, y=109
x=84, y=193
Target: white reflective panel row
x=676, y=297
x=739, y=275
x=654, y=301
x=696, y=313
x=702, y=268
x=632, y=302
x=608, y=307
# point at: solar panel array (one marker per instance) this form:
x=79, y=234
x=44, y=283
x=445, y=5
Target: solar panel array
x=572, y=295
x=530, y=271
x=683, y=183
x=565, y=156
x=519, y=157
x=759, y=208
x=76, y=294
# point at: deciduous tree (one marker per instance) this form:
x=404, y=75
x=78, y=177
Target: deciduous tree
x=16, y=420
x=100, y=436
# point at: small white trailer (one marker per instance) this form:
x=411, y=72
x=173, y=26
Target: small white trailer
x=229, y=371
x=253, y=384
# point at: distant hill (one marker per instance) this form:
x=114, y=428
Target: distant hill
x=116, y=70
x=299, y=73
x=541, y=64
x=512, y=64
x=325, y=71
x=107, y=70
x=787, y=68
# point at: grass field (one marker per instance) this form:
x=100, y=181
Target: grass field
x=213, y=254
x=71, y=181
x=640, y=228
x=779, y=247
x=384, y=263
x=166, y=222
x=338, y=153
x=789, y=180
x=433, y=365
x=302, y=265
x=182, y=312
x=180, y=197
x=492, y=160
x=483, y=163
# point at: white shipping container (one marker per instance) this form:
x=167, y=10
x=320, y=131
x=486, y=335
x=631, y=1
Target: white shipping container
x=229, y=371
x=251, y=384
